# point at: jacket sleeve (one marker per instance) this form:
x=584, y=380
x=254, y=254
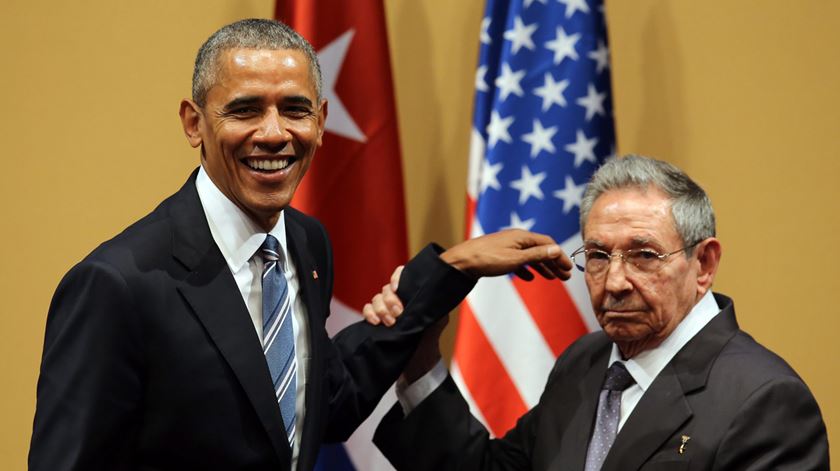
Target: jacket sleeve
x=779, y=427
x=442, y=434
x=372, y=357
x=88, y=397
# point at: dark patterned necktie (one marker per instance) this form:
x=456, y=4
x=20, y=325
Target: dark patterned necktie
x=278, y=335
x=609, y=413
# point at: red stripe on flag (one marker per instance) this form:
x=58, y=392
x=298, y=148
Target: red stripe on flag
x=469, y=217
x=554, y=312
x=485, y=376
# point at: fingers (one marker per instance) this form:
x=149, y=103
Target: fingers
x=547, y=259
x=524, y=273
x=395, y=277
x=370, y=315
x=384, y=308
x=534, y=239
x=392, y=302
x=544, y=270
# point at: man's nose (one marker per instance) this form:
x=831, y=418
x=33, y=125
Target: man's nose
x=616, y=276
x=272, y=131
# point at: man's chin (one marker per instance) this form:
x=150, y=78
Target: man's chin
x=623, y=331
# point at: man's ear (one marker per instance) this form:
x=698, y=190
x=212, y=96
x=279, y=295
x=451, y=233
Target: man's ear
x=322, y=119
x=708, y=255
x=191, y=121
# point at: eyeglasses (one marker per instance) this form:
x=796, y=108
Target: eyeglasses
x=596, y=261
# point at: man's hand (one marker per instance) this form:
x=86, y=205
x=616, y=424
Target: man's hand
x=385, y=307
x=489, y=255
x=510, y=251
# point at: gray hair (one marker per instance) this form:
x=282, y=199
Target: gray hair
x=690, y=207
x=253, y=33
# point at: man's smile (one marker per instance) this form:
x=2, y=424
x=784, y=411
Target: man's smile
x=268, y=165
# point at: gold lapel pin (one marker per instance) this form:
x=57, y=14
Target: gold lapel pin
x=685, y=439
x=314, y=275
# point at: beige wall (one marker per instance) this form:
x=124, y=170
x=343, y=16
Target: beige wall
x=742, y=94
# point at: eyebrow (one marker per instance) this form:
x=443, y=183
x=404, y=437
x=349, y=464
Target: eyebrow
x=255, y=100
x=242, y=101
x=634, y=242
x=298, y=100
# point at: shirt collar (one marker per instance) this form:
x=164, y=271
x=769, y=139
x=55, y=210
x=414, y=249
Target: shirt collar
x=647, y=365
x=237, y=235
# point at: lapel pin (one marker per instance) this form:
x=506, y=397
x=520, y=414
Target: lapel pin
x=685, y=439
x=314, y=274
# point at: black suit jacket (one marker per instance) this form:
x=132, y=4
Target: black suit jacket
x=151, y=360
x=742, y=407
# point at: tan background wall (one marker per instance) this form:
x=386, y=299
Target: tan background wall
x=744, y=95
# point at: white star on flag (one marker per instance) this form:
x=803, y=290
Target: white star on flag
x=508, y=82
x=480, y=83
x=540, y=138
x=516, y=223
x=528, y=185
x=571, y=194
x=497, y=130
x=331, y=58
x=484, y=37
x=563, y=46
x=593, y=102
x=601, y=56
x=490, y=176
x=574, y=5
x=520, y=35
x=529, y=2
x=583, y=148
x=551, y=92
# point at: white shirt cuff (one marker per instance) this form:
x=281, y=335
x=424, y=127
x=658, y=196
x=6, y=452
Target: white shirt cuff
x=411, y=395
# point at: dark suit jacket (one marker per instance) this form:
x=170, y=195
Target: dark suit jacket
x=742, y=407
x=151, y=360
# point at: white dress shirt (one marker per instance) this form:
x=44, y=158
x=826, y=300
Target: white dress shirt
x=239, y=239
x=644, y=367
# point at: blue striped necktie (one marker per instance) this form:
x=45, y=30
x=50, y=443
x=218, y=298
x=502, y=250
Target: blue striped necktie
x=278, y=336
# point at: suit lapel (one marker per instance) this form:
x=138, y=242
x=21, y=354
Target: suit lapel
x=659, y=413
x=572, y=454
x=309, y=291
x=664, y=407
x=214, y=297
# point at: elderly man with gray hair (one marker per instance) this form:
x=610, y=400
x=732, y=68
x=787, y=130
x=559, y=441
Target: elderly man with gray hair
x=670, y=383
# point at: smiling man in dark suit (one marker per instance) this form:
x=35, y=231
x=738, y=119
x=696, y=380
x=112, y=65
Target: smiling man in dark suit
x=195, y=339
x=670, y=383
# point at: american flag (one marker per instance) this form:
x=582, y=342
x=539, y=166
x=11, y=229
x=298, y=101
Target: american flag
x=542, y=124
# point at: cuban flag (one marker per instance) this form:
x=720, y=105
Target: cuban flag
x=542, y=124
x=354, y=186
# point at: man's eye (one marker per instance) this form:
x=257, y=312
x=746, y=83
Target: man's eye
x=597, y=255
x=298, y=112
x=645, y=255
x=245, y=110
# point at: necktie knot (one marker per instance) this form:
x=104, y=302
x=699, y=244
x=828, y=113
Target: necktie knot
x=618, y=378
x=270, y=249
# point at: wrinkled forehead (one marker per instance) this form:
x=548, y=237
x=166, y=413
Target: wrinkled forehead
x=631, y=214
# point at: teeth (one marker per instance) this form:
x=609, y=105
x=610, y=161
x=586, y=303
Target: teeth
x=278, y=164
